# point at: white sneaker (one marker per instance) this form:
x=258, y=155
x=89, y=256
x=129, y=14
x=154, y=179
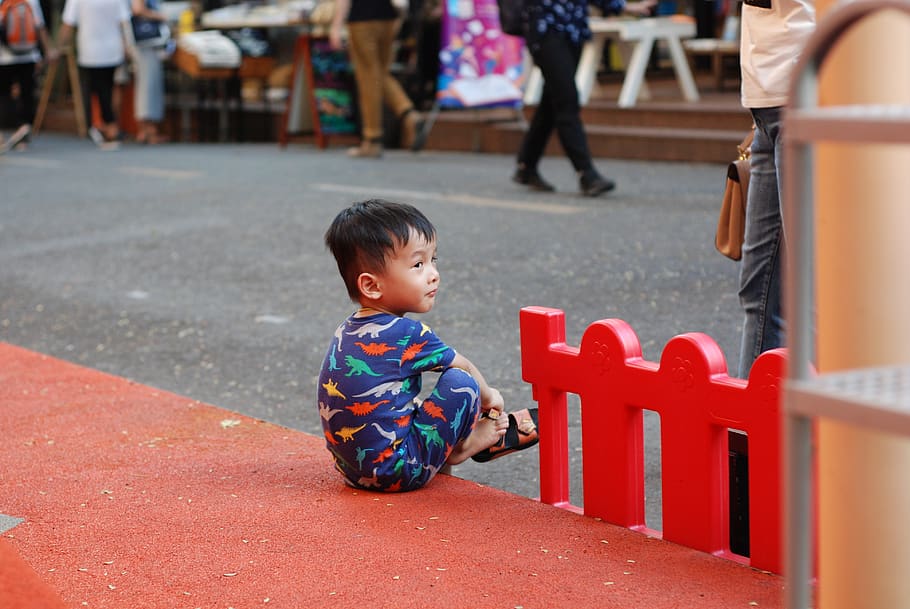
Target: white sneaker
x=17, y=137
x=96, y=136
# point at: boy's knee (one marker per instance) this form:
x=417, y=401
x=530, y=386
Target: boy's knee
x=456, y=381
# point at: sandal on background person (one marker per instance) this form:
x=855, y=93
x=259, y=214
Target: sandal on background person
x=521, y=434
x=151, y=137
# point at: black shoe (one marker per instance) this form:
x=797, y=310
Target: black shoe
x=532, y=180
x=592, y=184
x=420, y=138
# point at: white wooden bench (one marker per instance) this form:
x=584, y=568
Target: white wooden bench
x=638, y=37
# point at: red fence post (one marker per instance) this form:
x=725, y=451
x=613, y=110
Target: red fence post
x=612, y=429
x=542, y=332
x=693, y=446
x=697, y=401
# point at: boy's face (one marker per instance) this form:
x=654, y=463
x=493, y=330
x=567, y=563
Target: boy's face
x=410, y=279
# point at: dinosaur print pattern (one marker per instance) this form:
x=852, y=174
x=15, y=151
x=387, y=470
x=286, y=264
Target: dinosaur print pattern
x=412, y=351
x=434, y=410
x=347, y=433
x=327, y=413
x=380, y=434
x=393, y=387
x=358, y=367
x=331, y=389
x=375, y=348
x=373, y=330
x=362, y=408
x=361, y=455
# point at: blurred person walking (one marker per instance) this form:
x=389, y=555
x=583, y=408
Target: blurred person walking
x=372, y=27
x=20, y=58
x=148, y=98
x=104, y=38
x=774, y=33
x=555, y=32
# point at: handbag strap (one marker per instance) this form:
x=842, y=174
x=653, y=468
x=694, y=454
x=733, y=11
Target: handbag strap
x=745, y=147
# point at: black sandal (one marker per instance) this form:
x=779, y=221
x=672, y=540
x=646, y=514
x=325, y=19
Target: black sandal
x=521, y=434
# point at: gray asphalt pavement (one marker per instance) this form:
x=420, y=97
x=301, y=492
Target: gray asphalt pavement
x=200, y=269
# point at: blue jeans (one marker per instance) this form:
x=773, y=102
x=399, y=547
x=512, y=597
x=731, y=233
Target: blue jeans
x=760, y=279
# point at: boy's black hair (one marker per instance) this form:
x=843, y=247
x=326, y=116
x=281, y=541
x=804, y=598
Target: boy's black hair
x=362, y=236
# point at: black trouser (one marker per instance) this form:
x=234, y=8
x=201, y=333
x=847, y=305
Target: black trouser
x=557, y=59
x=24, y=111
x=100, y=82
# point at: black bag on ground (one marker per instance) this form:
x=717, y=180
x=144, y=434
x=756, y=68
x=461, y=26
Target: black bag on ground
x=512, y=17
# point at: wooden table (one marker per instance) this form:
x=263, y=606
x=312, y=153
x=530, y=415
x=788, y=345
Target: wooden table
x=235, y=18
x=639, y=35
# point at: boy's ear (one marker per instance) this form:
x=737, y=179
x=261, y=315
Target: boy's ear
x=369, y=286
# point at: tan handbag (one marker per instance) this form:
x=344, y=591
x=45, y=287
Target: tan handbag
x=731, y=224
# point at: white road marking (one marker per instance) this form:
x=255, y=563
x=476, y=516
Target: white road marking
x=23, y=161
x=130, y=234
x=472, y=200
x=155, y=172
x=271, y=319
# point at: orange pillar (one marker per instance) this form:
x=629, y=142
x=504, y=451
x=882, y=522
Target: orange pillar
x=863, y=317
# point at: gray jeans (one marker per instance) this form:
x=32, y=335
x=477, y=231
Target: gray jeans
x=760, y=279
x=149, y=90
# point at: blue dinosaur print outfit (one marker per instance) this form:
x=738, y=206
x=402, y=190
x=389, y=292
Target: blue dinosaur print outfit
x=380, y=436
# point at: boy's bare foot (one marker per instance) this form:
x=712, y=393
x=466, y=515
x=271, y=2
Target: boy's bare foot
x=488, y=432
x=521, y=433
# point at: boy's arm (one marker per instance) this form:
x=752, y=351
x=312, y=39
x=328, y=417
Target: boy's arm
x=490, y=398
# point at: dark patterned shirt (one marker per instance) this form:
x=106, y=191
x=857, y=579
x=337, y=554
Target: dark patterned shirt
x=372, y=10
x=568, y=18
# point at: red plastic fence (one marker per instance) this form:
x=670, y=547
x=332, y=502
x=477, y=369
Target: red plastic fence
x=697, y=402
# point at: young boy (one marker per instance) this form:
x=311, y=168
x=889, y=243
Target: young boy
x=380, y=435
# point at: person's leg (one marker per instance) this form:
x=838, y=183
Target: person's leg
x=532, y=148
x=443, y=421
x=558, y=59
x=23, y=112
x=99, y=82
x=105, y=91
x=761, y=265
x=7, y=78
x=368, y=72
x=535, y=140
x=25, y=74
x=392, y=93
x=87, y=78
x=141, y=95
x=559, y=108
x=148, y=98
x=155, y=115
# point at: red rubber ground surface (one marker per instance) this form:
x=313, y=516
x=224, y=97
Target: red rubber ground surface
x=138, y=498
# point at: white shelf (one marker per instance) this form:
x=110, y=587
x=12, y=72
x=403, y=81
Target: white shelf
x=874, y=398
x=882, y=123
